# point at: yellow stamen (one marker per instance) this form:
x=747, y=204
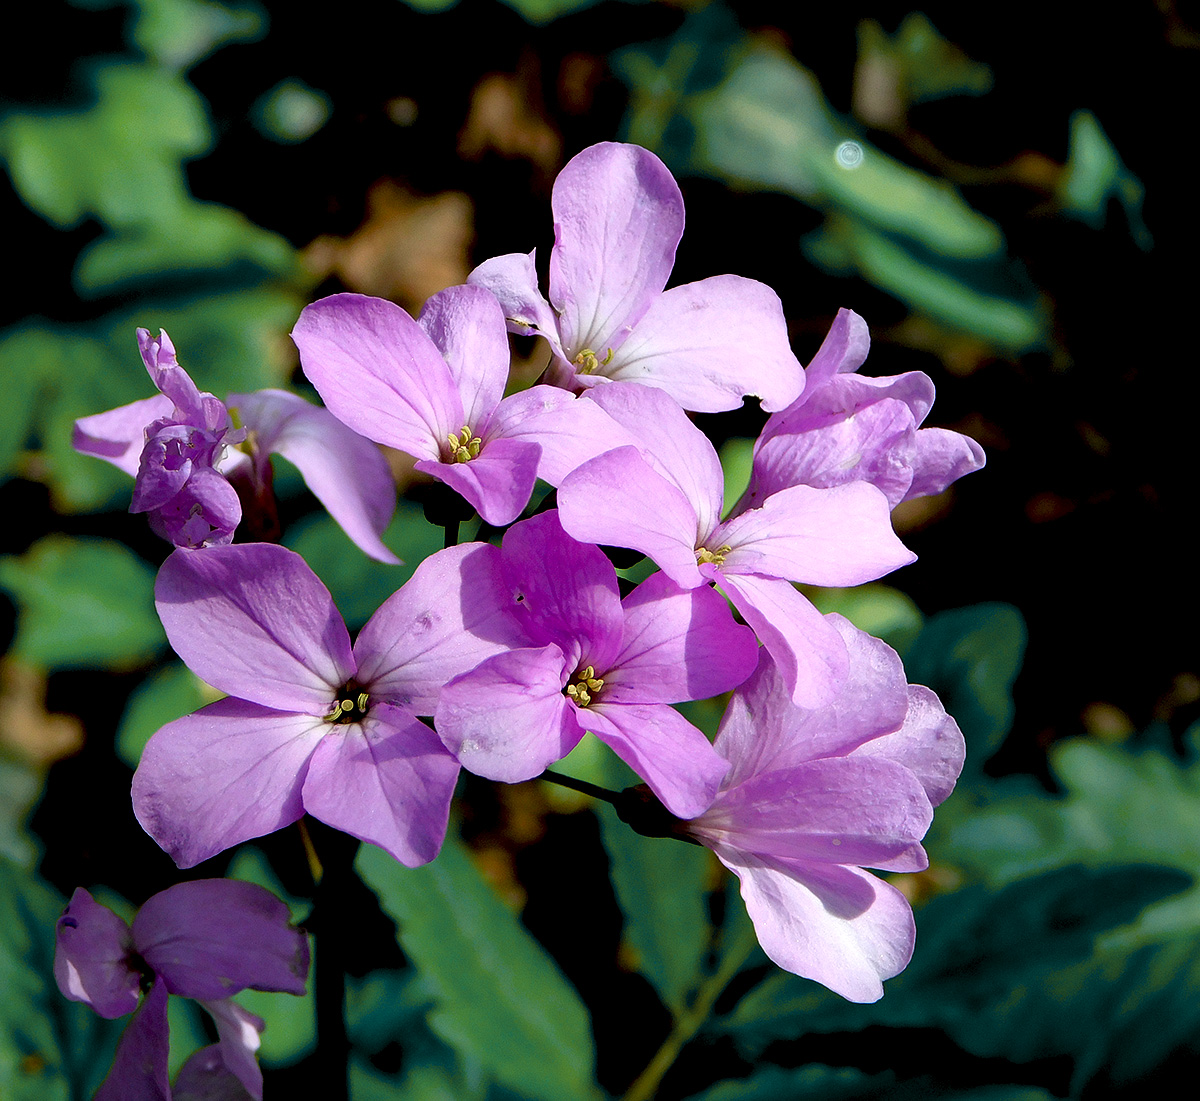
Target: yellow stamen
x=716, y=558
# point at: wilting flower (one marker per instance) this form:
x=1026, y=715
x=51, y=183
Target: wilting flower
x=592, y=661
x=184, y=453
x=434, y=389
x=814, y=796
x=207, y=940
x=310, y=723
x=618, y=218
x=664, y=498
x=846, y=427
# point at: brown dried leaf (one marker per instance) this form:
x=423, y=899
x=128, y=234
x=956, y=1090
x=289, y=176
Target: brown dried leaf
x=503, y=119
x=26, y=727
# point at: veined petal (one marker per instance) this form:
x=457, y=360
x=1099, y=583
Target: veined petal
x=254, y=621
x=838, y=536
x=387, y=780
x=498, y=482
x=346, y=472
x=140, y=1069
x=467, y=326
x=119, y=435
x=840, y=926
x=678, y=644
x=228, y=772
x=508, y=719
x=618, y=218
x=91, y=951
x=710, y=344
x=618, y=500
x=209, y=938
x=377, y=371
x=512, y=278
x=674, y=758
x=942, y=457
x=453, y=612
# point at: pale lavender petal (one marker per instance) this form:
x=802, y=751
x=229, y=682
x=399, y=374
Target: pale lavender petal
x=674, y=758
x=913, y=859
x=387, y=780
x=809, y=652
x=453, y=612
x=162, y=470
x=346, y=472
x=497, y=483
x=710, y=344
x=377, y=371
x=508, y=719
x=209, y=938
x=205, y=513
x=671, y=444
x=929, y=743
x=840, y=926
x=618, y=218
x=618, y=500
x=512, y=278
x=678, y=644
x=119, y=435
x=564, y=592
x=844, y=349
x=91, y=957
x=838, y=536
x=140, y=1069
x=239, y=1032
x=254, y=621
x=205, y=1077
x=942, y=457
x=166, y=374
x=568, y=431
x=228, y=772
x=467, y=326
x=840, y=810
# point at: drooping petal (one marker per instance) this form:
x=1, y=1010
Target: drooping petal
x=228, y=772
x=209, y=938
x=618, y=500
x=467, y=326
x=497, y=483
x=512, y=278
x=91, y=951
x=810, y=654
x=119, y=435
x=710, y=344
x=453, y=612
x=674, y=758
x=942, y=457
x=140, y=1070
x=239, y=1033
x=377, y=371
x=839, y=536
x=508, y=719
x=618, y=218
x=678, y=644
x=840, y=926
x=254, y=621
x=387, y=780
x=346, y=472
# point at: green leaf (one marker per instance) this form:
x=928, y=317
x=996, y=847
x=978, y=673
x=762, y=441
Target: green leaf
x=166, y=695
x=920, y=61
x=1094, y=174
x=20, y=789
x=879, y=610
x=737, y=459
x=82, y=602
x=970, y=658
x=821, y=1083
x=500, y=999
x=25, y=361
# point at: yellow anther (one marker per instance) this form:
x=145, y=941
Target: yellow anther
x=586, y=683
x=587, y=361
x=464, y=447
x=716, y=558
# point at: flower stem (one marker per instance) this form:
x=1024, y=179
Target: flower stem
x=581, y=786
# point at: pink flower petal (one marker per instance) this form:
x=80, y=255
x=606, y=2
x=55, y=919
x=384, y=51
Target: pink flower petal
x=91, y=963
x=497, y=483
x=512, y=278
x=119, y=435
x=140, y=1069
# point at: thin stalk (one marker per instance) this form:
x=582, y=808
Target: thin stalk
x=580, y=786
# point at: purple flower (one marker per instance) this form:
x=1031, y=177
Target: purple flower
x=434, y=388
x=591, y=661
x=848, y=428
x=618, y=217
x=664, y=499
x=814, y=796
x=182, y=449
x=310, y=723
x=206, y=939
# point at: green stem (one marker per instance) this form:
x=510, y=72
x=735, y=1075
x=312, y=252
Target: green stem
x=580, y=786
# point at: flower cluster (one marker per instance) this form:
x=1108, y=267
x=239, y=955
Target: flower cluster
x=826, y=763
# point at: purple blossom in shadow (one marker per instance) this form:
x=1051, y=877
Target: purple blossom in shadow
x=846, y=427
x=206, y=939
x=312, y=724
x=189, y=462
x=814, y=796
x=664, y=498
x=591, y=661
x=618, y=218
x=434, y=389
